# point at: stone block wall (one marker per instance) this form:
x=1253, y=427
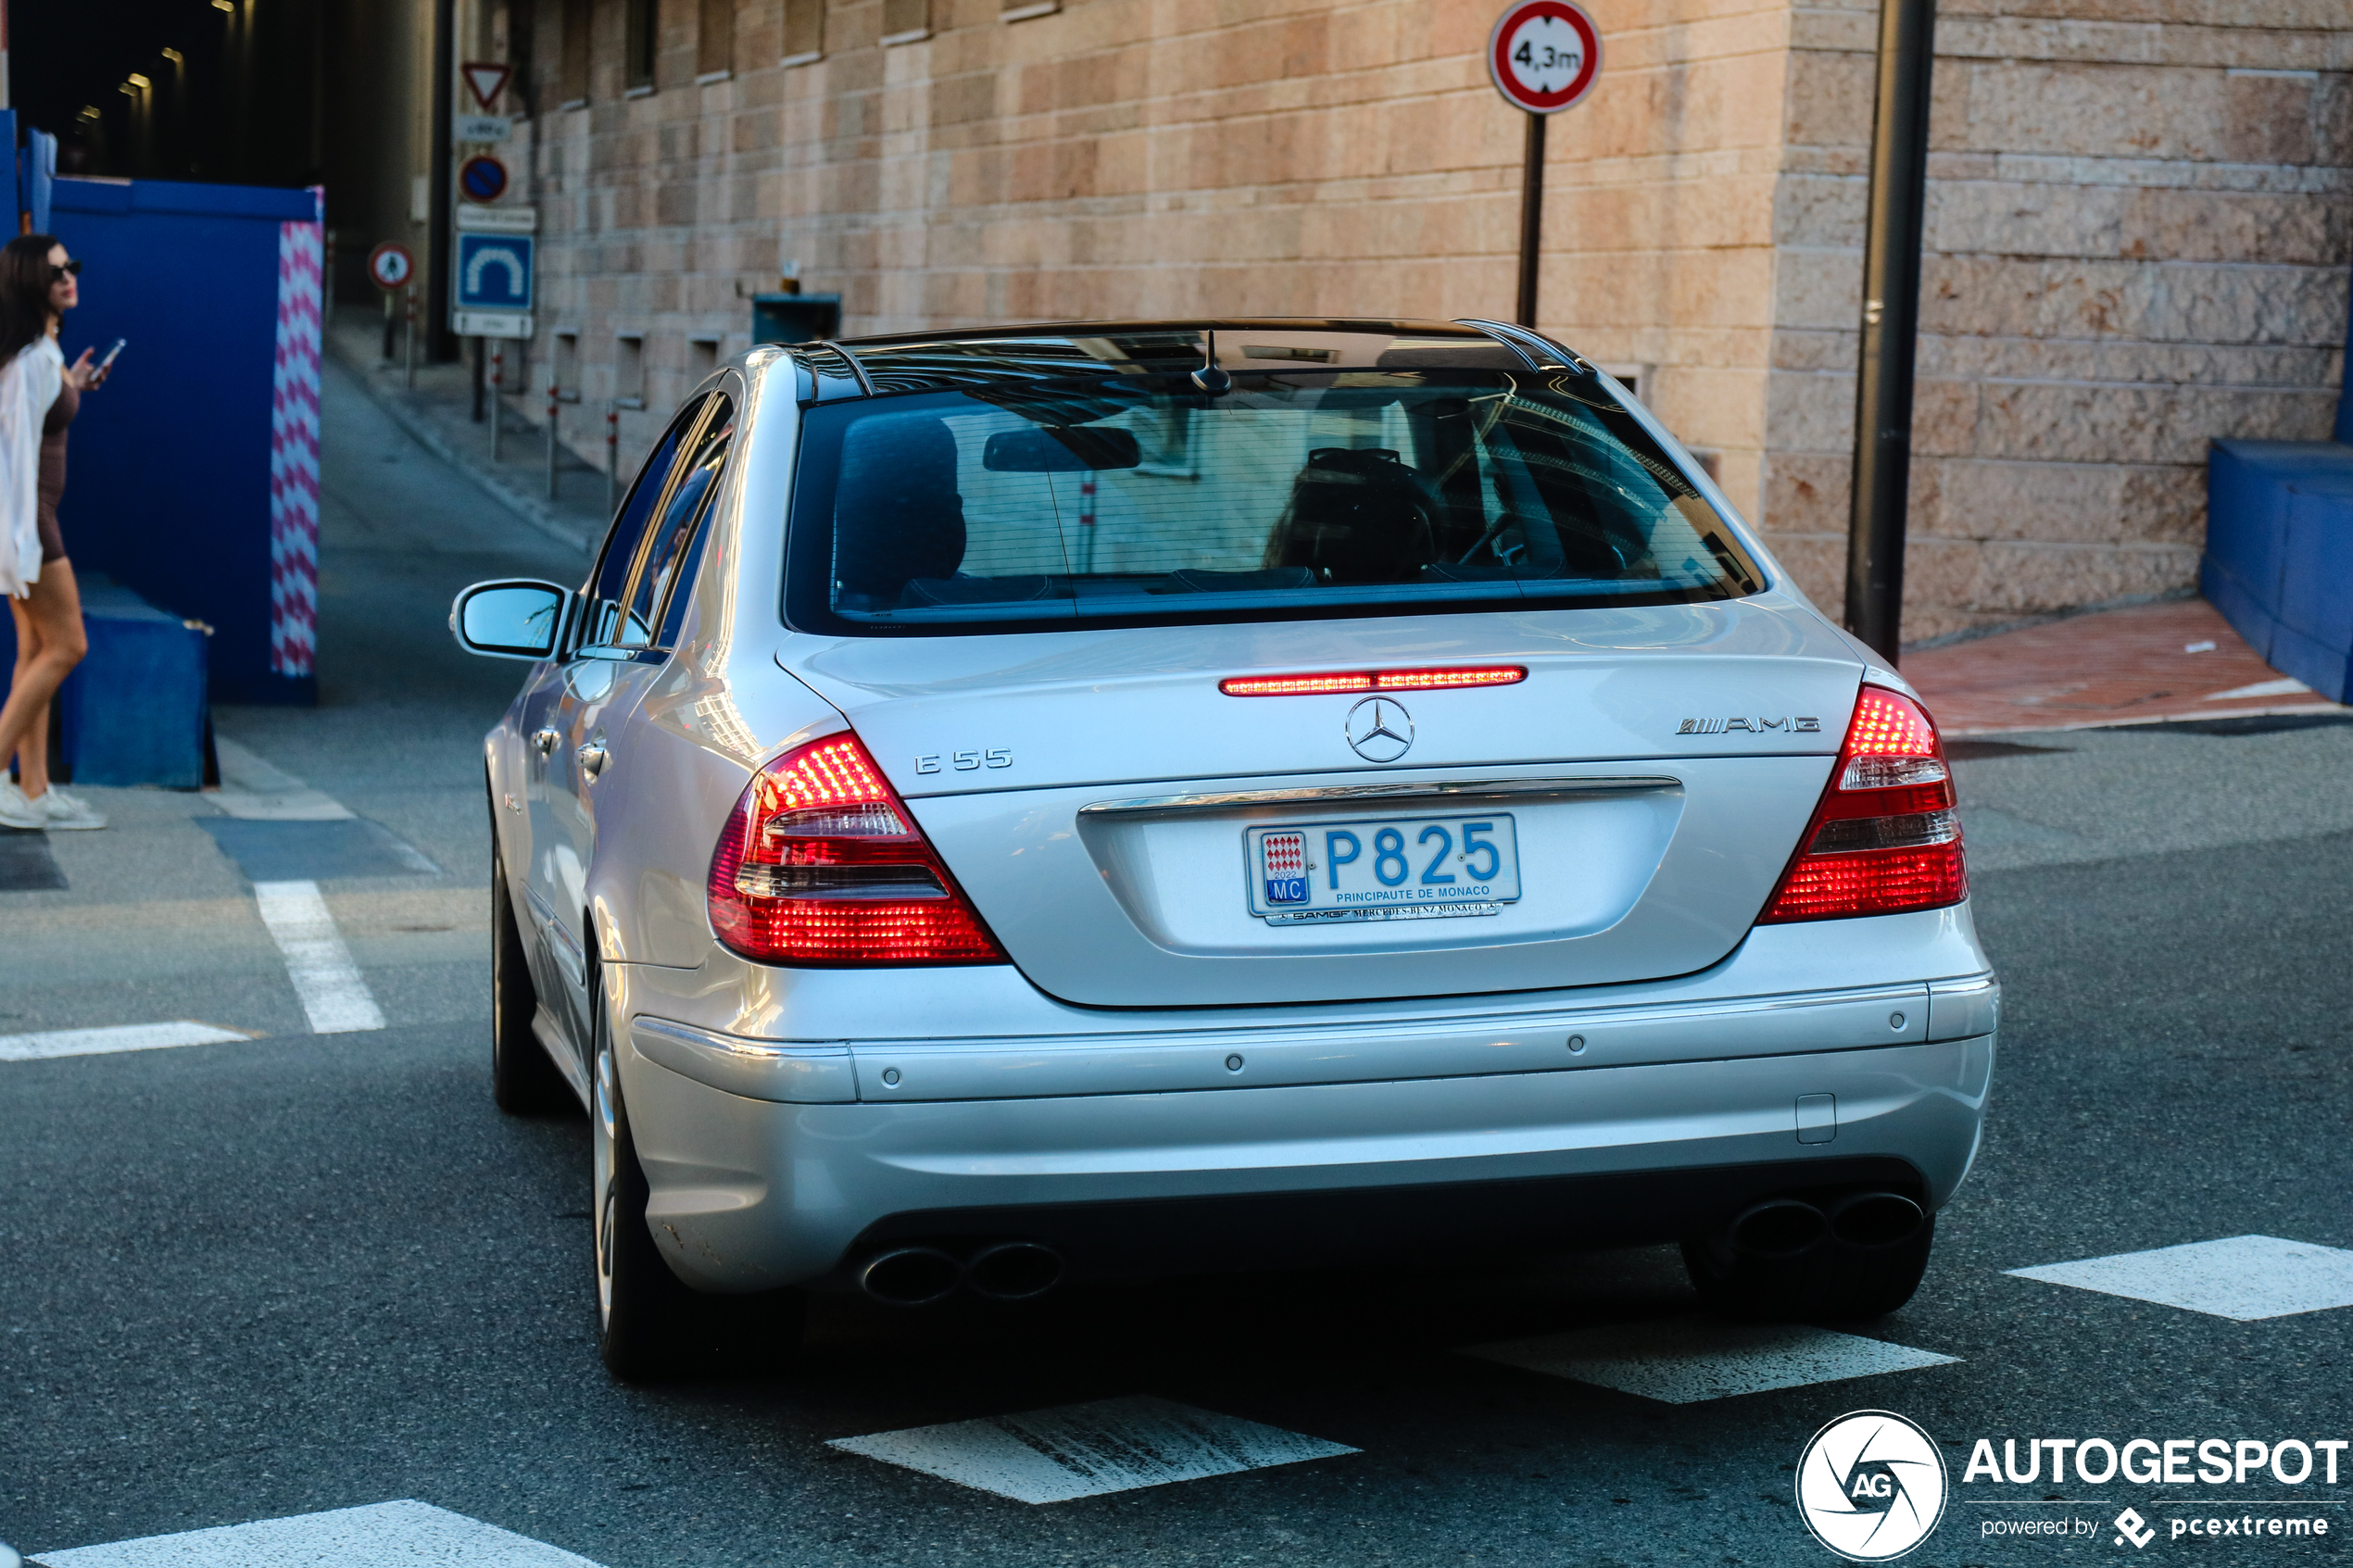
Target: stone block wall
x=2137, y=237
x=2138, y=226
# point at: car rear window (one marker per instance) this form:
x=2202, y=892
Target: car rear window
x=1138, y=499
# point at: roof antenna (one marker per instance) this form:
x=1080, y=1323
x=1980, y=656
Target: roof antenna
x=1209, y=378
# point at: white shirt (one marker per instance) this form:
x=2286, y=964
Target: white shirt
x=28, y=383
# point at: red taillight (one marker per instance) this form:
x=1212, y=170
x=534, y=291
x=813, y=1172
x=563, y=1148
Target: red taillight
x=820, y=864
x=1429, y=680
x=1885, y=838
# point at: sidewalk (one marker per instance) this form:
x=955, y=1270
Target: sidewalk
x=439, y=415
x=2167, y=662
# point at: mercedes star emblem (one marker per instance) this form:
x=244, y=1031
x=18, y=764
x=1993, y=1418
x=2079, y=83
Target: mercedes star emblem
x=1379, y=730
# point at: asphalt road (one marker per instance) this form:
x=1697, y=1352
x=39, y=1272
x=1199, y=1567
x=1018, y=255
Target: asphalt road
x=263, y=1278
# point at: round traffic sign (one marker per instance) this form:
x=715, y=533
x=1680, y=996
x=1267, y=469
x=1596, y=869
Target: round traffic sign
x=389, y=266
x=482, y=178
x=1545, y=54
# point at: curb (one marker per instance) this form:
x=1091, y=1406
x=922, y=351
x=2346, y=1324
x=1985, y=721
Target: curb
x=529, y=508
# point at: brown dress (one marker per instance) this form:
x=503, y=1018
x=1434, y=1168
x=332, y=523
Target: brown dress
x=52, y=469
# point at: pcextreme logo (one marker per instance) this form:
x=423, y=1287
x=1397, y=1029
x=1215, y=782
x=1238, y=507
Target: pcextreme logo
x=1870, y=1485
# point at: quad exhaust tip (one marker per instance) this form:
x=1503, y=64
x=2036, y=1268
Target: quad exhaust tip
x=1876, y=1219
x=910, y=1276
x=1014, y=1270
x=1000, y=1271
x=1785, y=1227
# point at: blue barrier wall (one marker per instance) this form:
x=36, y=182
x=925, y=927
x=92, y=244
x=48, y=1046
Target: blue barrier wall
x=168, y=472
x=2279, y=555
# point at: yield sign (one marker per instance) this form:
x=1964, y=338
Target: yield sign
x=486, y=82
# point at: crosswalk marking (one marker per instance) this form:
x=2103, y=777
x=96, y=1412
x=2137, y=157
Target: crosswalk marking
x=125, y=1038
x=257, y=789
x=334, y=995
x=2243, y=1277
x=386, y=1535
x=1688, y=1361
x=1086, y=1450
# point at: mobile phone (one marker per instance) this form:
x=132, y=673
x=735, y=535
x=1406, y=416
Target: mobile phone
x=108, y=360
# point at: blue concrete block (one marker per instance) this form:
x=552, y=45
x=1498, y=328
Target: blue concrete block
x=135, y=709
x=2316, y=566
x=2328, y=670
x=2279, y=554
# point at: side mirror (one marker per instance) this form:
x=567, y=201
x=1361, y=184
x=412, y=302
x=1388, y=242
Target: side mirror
x=514, y=619
x=1061, y=449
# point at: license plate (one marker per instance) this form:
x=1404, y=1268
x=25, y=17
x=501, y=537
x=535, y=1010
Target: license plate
x=1382, y=868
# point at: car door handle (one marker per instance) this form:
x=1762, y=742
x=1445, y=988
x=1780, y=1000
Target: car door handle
x=592, y=759
x=545, y=741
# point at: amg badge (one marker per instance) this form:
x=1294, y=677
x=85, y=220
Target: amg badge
x=1752, y=726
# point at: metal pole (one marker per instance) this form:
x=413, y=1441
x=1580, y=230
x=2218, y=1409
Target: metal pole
x=392, y=323
x=552, y=440
x=498, y=408
x=410, y=293
x=1891, y=324
x=441, y=345
x=1532, y=218
x=479, y=369
x=612, y=456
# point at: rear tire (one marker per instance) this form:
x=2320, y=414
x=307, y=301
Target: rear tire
x=645, y=1318
x=522, y=1080
x=1829, y=1280
x=649, y=1326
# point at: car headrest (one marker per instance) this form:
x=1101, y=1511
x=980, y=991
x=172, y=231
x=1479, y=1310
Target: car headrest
x=897, y=514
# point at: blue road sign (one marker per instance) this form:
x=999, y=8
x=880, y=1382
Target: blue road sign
x=493, y=271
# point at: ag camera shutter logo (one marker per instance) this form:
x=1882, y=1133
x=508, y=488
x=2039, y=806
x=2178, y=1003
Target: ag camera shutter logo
x=1870, y=1485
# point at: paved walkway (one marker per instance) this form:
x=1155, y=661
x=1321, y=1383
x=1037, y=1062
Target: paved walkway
x=2172, y=661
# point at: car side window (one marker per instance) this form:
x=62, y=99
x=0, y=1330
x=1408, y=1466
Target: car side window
x=678, y=531
x=679, y=581
x=607, y=584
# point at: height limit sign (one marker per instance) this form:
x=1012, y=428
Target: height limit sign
x=1545, y=56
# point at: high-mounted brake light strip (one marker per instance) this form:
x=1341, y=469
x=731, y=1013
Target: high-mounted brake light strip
x=1441, y=678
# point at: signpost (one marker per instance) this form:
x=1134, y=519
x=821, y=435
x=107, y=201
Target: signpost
x=486, y=80
x=492, y=271
x=393, y=269
x=482, y=178
x=1545, y=57
x=390, y=267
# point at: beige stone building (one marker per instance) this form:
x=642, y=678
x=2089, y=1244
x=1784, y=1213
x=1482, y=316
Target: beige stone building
x=2140, y=221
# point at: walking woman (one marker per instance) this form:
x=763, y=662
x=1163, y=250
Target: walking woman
x=39, y=396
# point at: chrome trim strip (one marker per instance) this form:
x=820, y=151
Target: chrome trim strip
x=865, y=382
x=791, y=1073
x=1466, y=789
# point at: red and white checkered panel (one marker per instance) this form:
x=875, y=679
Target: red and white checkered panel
x=293, y=453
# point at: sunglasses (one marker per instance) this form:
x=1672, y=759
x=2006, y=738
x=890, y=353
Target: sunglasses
x=58, y=272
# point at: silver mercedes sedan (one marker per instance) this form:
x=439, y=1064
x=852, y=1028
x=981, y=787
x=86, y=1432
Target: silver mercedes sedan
x=1052, y=803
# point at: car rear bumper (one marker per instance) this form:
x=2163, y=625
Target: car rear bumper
x=752, y=1193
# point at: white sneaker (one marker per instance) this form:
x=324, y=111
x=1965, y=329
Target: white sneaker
x=68, y=810
x=16, y=812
